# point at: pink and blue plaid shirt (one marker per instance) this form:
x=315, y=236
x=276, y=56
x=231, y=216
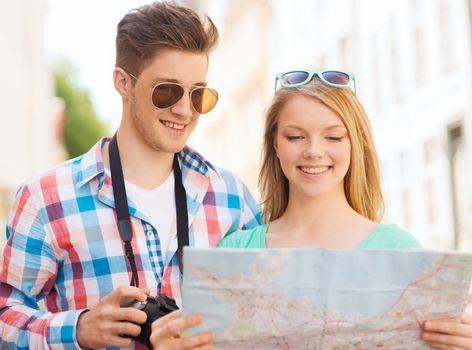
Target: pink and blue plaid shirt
x=64, y=246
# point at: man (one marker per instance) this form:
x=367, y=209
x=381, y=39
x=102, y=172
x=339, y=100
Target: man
x=64, y=244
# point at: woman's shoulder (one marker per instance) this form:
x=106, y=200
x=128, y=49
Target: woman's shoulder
x=251, y=238
x=390, y=236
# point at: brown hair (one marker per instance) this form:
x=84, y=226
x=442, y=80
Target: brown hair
x=362, y=181
x=161, y=25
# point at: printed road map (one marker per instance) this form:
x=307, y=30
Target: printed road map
x=322, y=299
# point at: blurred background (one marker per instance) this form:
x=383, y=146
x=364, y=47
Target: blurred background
x=412, y=60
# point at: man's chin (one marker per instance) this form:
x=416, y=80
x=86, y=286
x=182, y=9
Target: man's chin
x=169, y=149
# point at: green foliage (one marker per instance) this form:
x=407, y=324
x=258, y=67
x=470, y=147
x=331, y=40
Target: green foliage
x=82, y=127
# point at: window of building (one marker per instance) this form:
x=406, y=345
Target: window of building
x=321, y=62
x=407, y=208
x=419, y=55
x=405, y=191
x=396, y=60
x=346, y=53
x=377, y=87
x=462, y=205
x=447, y=37
x=419, y=41
x=404, y=164
x=428, y=152
x=430, y=201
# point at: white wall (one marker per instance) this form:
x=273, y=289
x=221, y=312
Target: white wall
x=28, y=143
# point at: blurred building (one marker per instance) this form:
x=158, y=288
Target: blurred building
x=412, y=60
x=28, y=138
x=419, y=56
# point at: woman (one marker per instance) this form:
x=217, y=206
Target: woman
x=320, y=187
x=320, y=182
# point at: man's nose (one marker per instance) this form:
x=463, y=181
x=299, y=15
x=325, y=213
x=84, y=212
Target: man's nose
x=183, y=107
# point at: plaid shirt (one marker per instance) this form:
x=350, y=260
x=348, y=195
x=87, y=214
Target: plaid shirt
x=64, y=246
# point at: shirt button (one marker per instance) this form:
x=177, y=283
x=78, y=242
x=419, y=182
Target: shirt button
x=150, y=233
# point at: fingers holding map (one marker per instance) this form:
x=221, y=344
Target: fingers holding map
x=323, y=299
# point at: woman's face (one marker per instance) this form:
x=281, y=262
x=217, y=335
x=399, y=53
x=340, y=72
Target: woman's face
x=313, y=148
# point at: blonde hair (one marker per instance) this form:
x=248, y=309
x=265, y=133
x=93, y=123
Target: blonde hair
x=362, y=181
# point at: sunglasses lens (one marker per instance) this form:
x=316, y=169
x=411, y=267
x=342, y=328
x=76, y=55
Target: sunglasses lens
x=204, y=99
x=337, y=78
x=165, y=95
x=294, y=78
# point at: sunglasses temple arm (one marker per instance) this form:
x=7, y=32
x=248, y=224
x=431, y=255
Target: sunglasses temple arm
x=354, y=83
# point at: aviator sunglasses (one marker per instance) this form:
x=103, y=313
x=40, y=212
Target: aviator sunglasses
x=167, y=94
x=336, y=78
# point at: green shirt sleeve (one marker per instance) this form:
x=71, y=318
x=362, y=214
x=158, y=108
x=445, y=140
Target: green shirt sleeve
x=390, y=237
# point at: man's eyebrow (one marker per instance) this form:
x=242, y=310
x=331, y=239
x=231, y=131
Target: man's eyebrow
x=171, y=80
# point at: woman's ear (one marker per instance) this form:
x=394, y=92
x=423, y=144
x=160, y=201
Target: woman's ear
x=276, y=148
x=122, y=82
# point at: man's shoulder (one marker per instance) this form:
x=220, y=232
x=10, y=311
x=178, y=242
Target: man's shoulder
x=49, y=177
x=196, y=161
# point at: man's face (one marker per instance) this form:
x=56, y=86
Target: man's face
x=167, y=130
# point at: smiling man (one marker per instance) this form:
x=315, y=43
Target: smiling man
x=106, y=228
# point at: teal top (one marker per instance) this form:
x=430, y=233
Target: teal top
x=383, y=237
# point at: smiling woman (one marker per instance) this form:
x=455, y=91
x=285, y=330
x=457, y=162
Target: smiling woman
x=319, y=179
x=313, y=148
x=320, y=182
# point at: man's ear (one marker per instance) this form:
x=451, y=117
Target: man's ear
x=122, y=82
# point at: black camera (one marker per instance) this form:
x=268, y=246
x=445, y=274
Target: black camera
x=154, y=307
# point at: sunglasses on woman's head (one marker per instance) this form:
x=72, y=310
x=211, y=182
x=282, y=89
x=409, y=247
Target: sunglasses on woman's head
x=335, y=78
x=167, y=94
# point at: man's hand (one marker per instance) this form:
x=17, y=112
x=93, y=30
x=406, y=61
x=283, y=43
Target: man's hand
x=102, y=325
x=449, y=335
x=166, y=333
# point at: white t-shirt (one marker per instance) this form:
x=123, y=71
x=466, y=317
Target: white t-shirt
x=158, y=205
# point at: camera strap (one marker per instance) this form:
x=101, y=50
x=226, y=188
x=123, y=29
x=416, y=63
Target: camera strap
x=122, y=209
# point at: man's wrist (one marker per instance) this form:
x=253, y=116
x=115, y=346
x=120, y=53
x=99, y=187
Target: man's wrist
x=77, y=331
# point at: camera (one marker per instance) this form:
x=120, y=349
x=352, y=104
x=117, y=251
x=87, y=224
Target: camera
x=154, y=307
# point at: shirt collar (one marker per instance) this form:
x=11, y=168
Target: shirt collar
x=91, y=163
x=191, y=159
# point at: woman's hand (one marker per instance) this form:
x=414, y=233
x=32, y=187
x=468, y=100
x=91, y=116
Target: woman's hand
x=167, y=333
x=449, y=335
